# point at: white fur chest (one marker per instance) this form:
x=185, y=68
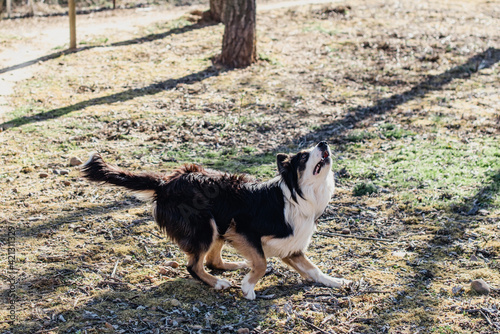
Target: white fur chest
x=301, y=216
x=298, y=241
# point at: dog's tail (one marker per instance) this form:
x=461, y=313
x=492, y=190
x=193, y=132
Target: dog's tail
x=145, y=185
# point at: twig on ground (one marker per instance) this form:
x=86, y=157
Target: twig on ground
x=156, y=235
x=489, y=320
x=374, y=291
x=328, y=234
x=238, y=323
x=314, y=326
x=114, y=269
x=42, y=331
x=484, y=313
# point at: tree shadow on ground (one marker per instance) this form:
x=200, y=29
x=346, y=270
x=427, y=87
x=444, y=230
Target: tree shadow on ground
x=74, y=216
x=470, y=206
x=139, y=40
x=485, y=59
x=117, y=97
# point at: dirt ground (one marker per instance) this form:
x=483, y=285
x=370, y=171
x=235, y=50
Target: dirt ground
x=407, y=94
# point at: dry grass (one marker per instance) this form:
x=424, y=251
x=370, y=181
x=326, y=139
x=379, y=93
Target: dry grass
x=408, y=94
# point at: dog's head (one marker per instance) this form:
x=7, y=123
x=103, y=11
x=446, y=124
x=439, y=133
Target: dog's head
x=306, y=168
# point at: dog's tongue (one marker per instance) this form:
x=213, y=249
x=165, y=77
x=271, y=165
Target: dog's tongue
x=325, y=154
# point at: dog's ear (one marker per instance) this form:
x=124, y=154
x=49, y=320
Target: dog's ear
x=283, y=162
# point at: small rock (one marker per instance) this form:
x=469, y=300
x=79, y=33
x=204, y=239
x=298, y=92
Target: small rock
x=163, y=271
x=66, y=183
x=43, y=175
x=345, y=231
x=55, y=171
x=243, y=330
x=108, y=325
x=63, y=172
x=480, y=287
x=82, y=230
x=172, y=264
x=175, y=302
x=75, y=161
x=474, y=258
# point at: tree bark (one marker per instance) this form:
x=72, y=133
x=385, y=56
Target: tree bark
x=216, y=12
x=239, y=42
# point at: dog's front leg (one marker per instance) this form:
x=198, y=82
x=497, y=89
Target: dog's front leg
x=251, y=249
x=309, y=271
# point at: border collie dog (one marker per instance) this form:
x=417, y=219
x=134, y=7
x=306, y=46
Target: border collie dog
x=200, y=209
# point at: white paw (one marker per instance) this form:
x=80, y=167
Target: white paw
x=334, y=282
x=248, y=293
x=222, y=284
x=248, y=289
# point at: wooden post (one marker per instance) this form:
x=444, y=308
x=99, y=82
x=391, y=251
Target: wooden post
x=72, y=24
x=31, y=8
x=9, y=8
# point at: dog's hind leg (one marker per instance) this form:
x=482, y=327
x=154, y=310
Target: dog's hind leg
x=214, y=259
x=196, y=269
x=310, y=272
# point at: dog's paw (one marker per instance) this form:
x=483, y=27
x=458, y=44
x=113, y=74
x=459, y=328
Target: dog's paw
x=222, y=284
x=248, y=289
x=248, y=292
x=334, y=282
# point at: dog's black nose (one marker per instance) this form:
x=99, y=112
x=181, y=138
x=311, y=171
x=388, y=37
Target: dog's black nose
x=322, y=144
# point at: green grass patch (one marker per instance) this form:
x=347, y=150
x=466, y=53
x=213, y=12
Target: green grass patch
x=389, y=130
x=436, y=173
x=360, y=135
x=364, y=188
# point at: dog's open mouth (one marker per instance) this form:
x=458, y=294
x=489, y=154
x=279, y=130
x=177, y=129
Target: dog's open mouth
x=324, y=159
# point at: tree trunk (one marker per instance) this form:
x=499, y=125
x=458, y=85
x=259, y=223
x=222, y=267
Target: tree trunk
x=239, y=41
x=216, y=12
